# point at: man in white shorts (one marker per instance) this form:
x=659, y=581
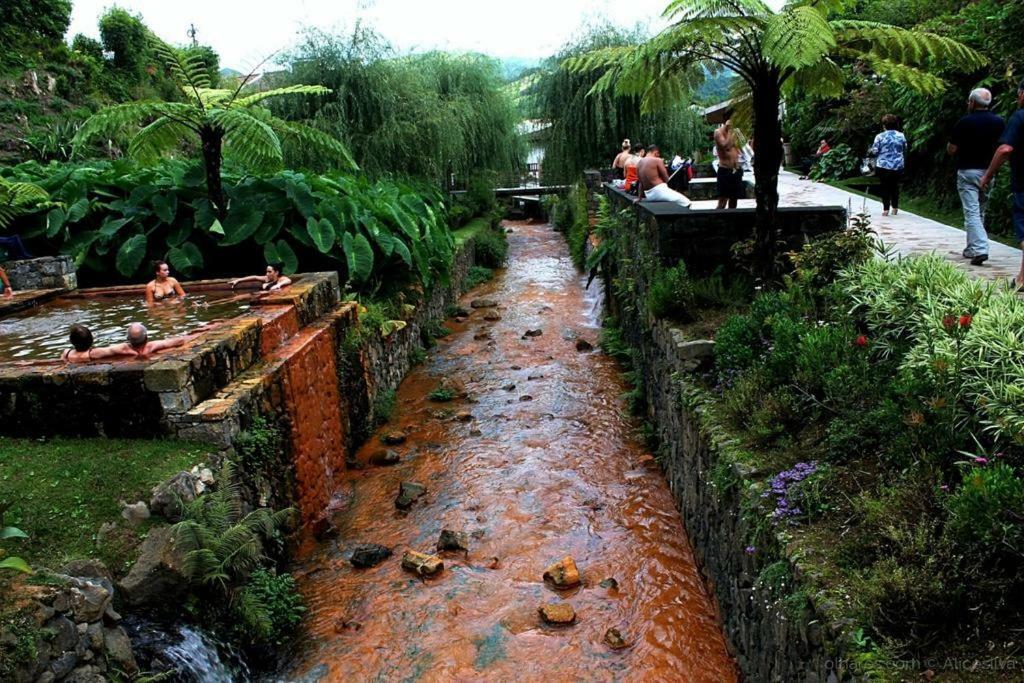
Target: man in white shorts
x=654, y=180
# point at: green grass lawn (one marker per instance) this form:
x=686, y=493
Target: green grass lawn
x=61, y=491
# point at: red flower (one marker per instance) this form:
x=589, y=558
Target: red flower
x=965, y=321
x=861, y=341
x=949, y=322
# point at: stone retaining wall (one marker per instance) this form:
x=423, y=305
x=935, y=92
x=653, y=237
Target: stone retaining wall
x=768, y=644
x=47, y=272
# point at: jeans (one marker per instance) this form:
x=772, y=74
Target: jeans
x=968, y=184
x=889, y=181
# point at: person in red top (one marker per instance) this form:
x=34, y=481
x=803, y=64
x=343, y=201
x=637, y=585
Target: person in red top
x=639, y=152
x=823, y=149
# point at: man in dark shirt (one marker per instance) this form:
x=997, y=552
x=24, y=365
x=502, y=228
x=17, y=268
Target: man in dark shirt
x=973, y=142
x=1011, y=146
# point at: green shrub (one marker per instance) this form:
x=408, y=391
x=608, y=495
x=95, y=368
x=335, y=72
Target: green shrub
x=384, y=407
x=737, y=344
x=490, y=248
x=476, y=276
x=838, y=163
x=821, y=260
x=258, y=445
x=671, y=294
x=270, y=606
x=985, y=512
x=441, y=394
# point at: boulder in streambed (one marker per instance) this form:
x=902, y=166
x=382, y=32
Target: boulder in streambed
x=422, y=564
x=533, y=333
x=492, y=316
x=557, y=613
x=453, y=540
x=613, y=639
x=385, y=458
x=583, y=346
x=393, y=438
x=408, y=493
x=367, y=555
x=483, y=303
x=563, y=574
x=157, y=573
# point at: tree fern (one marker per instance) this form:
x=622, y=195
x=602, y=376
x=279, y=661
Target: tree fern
x=793, y=48
x=225, y=123
x=18, y=198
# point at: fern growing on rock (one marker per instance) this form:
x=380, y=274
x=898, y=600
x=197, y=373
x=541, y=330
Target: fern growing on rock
x=223, y=123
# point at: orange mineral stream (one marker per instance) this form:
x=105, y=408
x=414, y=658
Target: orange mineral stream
x=548, y=468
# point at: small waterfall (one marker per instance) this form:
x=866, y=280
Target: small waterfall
x=193, y=655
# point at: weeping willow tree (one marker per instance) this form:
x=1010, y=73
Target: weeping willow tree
x=423, y=115
x=795, y=49
x=588, y=124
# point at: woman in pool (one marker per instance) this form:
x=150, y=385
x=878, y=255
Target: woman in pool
x=163, y=287
x=82, y=350
x=272, y=281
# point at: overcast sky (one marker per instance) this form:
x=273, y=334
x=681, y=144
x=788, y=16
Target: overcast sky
x=244, y=32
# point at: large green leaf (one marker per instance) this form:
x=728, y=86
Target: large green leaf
x=240, y=225
x=11, y=532
x=322, y=233
x=112, y=226
x=403, y=252
x=77, y=211
x=165, y=206
x=358, y=256
x=187, y=258
x=298, y=191
x=271, y=226
x=130, y=255
x=281, y=252
x=16, y=564
x=55, y=221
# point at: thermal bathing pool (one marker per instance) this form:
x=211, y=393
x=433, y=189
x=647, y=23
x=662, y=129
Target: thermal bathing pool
x=41, y=333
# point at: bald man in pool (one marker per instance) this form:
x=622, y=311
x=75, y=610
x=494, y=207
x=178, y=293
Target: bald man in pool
x=138, y=343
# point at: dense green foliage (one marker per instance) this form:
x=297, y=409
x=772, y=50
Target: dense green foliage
x=994, y=28
x=671, y=294
x=116, y=216
x=794, y=49
x=29, y=25
x=889, y=402
x=570, y=215
x=224, y=124
x=426, y=115
x=227, y=553
x=587, y=127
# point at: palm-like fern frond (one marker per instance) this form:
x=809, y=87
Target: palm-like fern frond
x=189, y=72
x=798, y=37
x=905, y=46
x=311, y=138
x=17, y=199
x=248, y=139
x=824, y=78
x=258, y=97
x=157, y=138
x=687, y=10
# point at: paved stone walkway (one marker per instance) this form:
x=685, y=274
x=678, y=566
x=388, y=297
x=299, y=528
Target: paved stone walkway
x=908, y=233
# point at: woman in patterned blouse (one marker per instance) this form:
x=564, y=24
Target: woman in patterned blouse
x=890, y=152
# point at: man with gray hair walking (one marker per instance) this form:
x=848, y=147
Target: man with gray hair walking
x=973, y=142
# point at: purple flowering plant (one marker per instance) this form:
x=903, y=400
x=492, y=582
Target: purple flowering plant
x=784, y=487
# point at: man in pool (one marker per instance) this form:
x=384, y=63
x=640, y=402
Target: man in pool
x=271, y=282
x=82, y=350
x=138, y=343
x=8, y=292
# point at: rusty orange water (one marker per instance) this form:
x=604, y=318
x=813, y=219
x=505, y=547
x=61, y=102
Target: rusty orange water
x=531, y=480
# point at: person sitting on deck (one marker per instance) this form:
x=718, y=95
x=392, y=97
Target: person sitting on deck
x=82, y=350
x=8, y=292
x=272, y=281
x=654, y=180
x=631, y=166
x=619, y=164
x=163, y=287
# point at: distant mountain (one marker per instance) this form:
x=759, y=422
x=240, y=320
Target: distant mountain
x=513, y=67
x=230, y=73
x=715, y=89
